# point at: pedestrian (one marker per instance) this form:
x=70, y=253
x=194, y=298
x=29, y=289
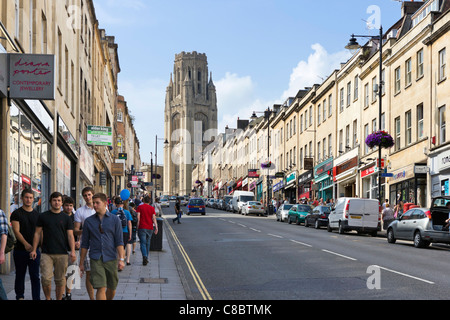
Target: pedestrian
x=125, y=218
x=178, y=211
x=134, y=225
x=23, y=221
x=102, y=237
x=81, y=215
x=157, y=206
x=387, y=216
x=3, y=239
x=68, y=208
x=146, y=221
x=55, y=229
x=15, y=205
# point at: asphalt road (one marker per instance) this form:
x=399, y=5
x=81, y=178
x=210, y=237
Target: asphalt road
x=226, y=256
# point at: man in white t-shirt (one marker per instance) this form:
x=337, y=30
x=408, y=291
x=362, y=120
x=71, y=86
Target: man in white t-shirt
x=81, y=215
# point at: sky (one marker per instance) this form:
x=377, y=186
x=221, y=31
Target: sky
x=260, y=52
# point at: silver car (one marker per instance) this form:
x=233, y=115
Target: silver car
x=423, y=225
x=283, y=211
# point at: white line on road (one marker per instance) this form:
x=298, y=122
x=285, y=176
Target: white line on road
x=242, y=225
x=255, y=230
x=340, y=255
x=274, y=235
x=406, y=275
x=303, y=244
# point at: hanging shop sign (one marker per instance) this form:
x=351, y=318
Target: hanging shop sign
x=99, y=136
x=32, y=76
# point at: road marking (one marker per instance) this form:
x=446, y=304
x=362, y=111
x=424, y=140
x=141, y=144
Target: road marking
x=301, y=243
x=242, y=225
x=255, y=230
x=274, y=235
x=406, y=275
x=340, y=255
x=198, y=281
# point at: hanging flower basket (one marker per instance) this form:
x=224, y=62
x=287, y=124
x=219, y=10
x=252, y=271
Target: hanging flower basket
x=266, y=165
x=380, y=139
x=198, y=182
x=208, y=180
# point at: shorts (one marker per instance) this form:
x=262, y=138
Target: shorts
x=126, y=235
x=54, y=266
x=104, y=274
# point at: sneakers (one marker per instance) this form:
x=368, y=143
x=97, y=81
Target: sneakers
x=145, y=261
x=67, y=297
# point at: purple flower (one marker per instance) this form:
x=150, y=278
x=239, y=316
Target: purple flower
x=380, y=139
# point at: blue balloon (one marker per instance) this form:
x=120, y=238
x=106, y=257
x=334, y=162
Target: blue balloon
x=125, y=195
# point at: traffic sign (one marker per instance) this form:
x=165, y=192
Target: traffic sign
x=387, y=175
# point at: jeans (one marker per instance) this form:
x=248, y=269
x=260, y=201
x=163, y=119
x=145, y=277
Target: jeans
x=3, y=295
x=145, y=236
x=22, y=261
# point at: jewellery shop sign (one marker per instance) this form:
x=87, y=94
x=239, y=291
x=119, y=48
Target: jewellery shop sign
x=28, y=76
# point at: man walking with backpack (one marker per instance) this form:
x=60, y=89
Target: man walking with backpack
x=125, y=219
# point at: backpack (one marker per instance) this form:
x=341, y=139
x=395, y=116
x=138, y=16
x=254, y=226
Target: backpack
x=10, y=240
x=122, y=217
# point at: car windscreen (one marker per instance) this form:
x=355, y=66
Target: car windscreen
x=326, y=209
x=245, y=198
x=287, y=206
x=198, y=202
x=254, y=203
x=304, y=208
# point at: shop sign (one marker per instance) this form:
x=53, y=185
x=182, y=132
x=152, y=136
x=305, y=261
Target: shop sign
x=305, y=178
x=99, y=136
x=291, y=178
x=278, y=186
x=253, y=173
x=32, y=76
x=367, y=172
x=347, y=165
x=324, y=167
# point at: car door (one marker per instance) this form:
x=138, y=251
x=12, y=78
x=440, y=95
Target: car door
x=404, y=226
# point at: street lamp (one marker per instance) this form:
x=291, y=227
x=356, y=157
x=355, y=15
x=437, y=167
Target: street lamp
x=166, y=142
x=267, y=115
x=353, y=45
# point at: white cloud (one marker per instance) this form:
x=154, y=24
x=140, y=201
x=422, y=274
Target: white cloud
x=317, y=68
x=237, y=96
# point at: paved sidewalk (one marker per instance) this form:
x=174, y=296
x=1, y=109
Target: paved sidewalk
x=159, y=280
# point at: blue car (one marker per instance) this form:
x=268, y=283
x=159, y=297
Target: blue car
x=196, y=205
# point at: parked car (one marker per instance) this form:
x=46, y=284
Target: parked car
x=196, y=205
x=319, y=217
x=423, y=225
x=362, y=215
x=253, y=207
x=241, y=197
x=298, y=212
x=226, y=201
x=164, y=202
x=216, y=203
x=184, y=201
x=283, y=212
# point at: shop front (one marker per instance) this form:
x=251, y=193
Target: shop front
x=345, y=174
x=305, y=189
x=278, y=190
x=290, y=188
x=409, y=184
x=323, y=180
x=66, y=160
x=440, y=173
x=30, y=135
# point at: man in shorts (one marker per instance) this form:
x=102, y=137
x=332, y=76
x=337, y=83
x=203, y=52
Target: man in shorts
x=55, y=228
x=103, y=237
x=81, y=215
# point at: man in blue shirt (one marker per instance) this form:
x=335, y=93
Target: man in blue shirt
x=102, y=235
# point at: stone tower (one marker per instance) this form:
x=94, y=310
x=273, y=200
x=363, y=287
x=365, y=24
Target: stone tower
x=191, y=110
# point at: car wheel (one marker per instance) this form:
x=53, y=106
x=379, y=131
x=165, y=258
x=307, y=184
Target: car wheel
x=289, y=220
x=329, y=228
x=317, y=224
x=419, y=242
x=391, y=236
x=306, y=223
x=341, y=228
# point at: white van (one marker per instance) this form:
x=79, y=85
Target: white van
x=241, y=197
x=362, y=215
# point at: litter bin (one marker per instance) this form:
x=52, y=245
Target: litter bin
x=156, y=241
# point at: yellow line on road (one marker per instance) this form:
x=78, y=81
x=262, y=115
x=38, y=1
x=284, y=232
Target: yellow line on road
x=198, y=281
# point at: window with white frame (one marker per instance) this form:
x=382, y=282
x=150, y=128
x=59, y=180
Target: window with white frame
x=366, y=95
x=420, y=121
x=419, y=69
x=408, y=127
x=330, y=105
x=341, y=106
x=349, y=93
x=442, y=64
x=120, y=116
x=397, y=80
x=355, y=133
x=355, y=89
x=374, y=93
x=408, y=72
x=397, y=133
x=442, y=123
x=366, y=134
